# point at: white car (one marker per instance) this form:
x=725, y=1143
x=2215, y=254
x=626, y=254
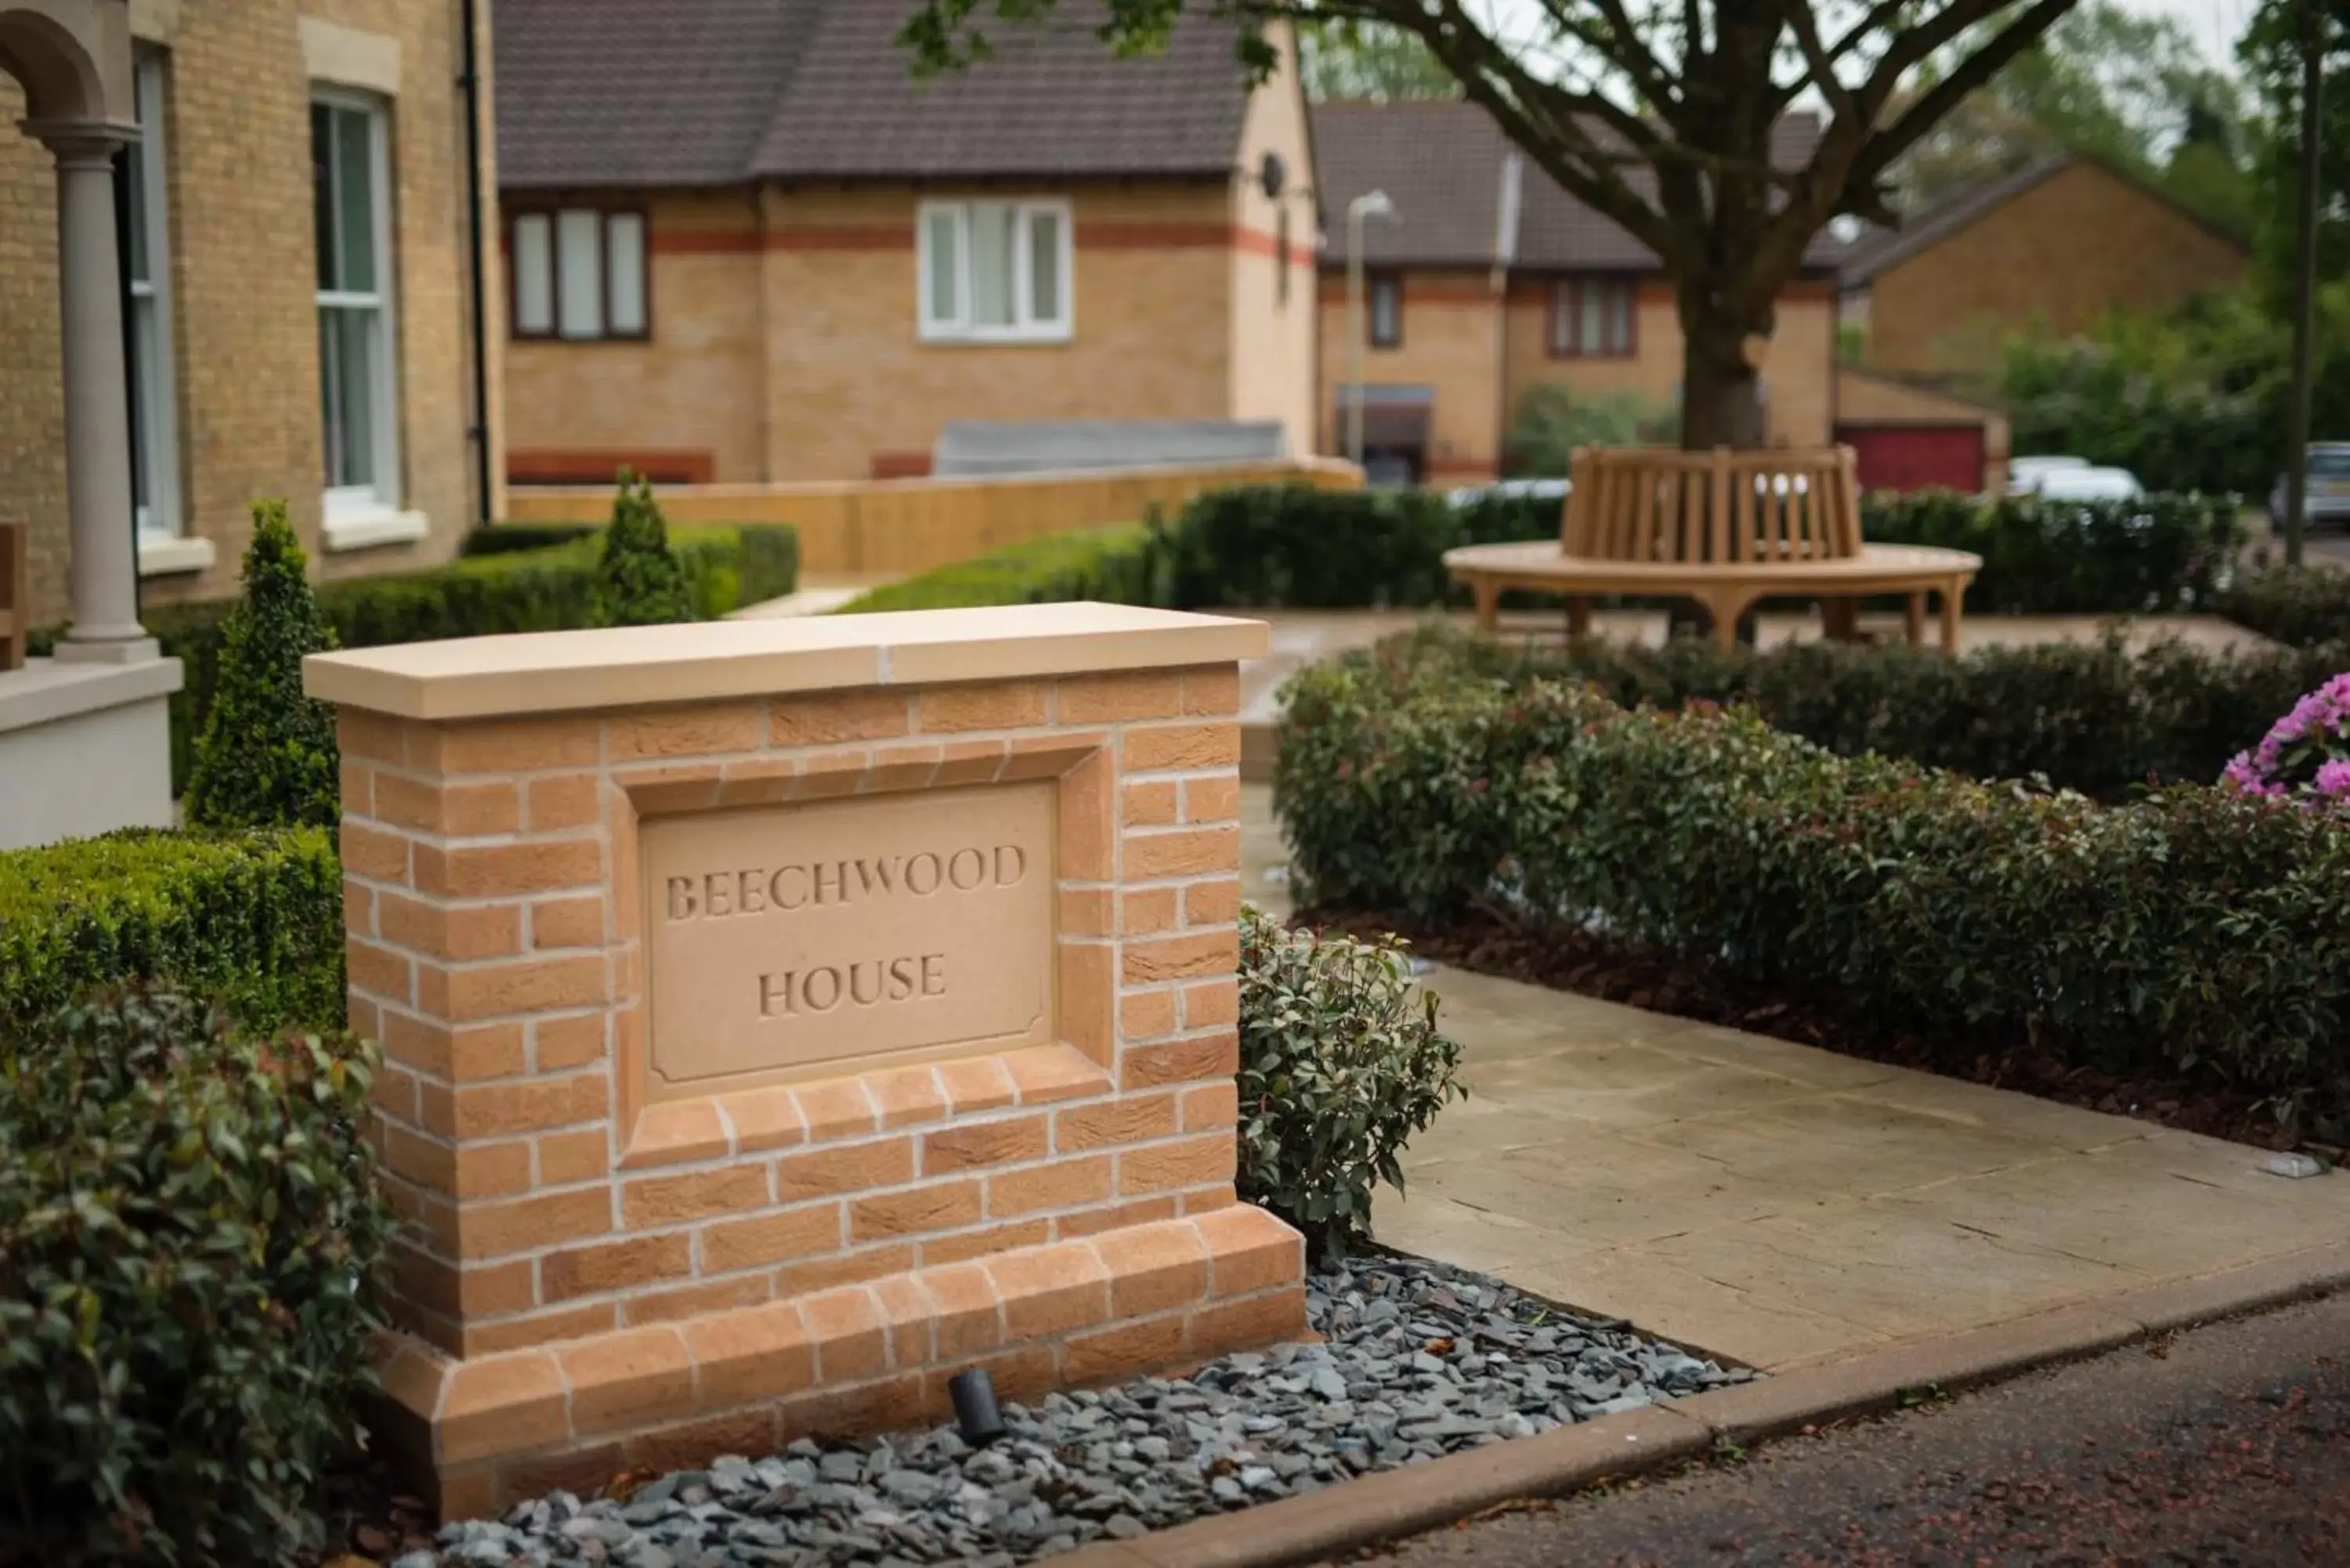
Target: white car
x=1538, y=489
x=2024, y=474
x=2088, y=484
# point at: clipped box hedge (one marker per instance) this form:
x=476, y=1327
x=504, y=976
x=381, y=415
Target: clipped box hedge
x=2192, y=931
x=254, y=920
x=1114, y=564
x=2304, y=607
x=542, y=588
x=2097, y=717
x=2158, y=553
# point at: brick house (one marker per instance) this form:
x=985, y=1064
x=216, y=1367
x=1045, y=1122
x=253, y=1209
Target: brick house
x=1490, y=281
x=2053, y=248
x=746, y=244
x=255, y=368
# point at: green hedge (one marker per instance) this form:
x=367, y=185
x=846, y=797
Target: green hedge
x=549, y=588
x=2193, y=931
x=2102, y=558
x=1114, y=564
x=254, y=920
x=2301, y=607
x=190, y=1236
x=2094, y=717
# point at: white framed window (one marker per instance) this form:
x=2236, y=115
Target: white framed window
x=1384, y=324
x=995, y=272
x=146, y=279
x=359, y=381
x=579, y=274
x=1594, y=317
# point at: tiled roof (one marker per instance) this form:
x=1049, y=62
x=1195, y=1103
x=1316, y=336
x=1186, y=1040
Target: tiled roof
x=1443, y=165
x=1880, y=247
x=635, y=92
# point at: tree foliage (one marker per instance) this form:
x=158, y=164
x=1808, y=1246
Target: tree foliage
x=1365, y=62
x=267, y=756
x=1658, y=114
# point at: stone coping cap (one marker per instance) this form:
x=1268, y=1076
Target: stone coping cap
x=630, y=667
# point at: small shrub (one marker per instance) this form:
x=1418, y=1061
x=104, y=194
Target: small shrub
x=506, y=538
x=639, y=579
x=2160, y=552
x=267, y=757
x=254, y=920
x=190, y=1234
x=1341, y=1063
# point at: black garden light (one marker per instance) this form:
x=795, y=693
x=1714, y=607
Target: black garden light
x=976, y=1417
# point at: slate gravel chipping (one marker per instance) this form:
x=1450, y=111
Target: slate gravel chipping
x=1419, y=1360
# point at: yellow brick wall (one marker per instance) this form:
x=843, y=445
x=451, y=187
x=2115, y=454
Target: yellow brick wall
x=2058, y=257
x=1451, y=343
x=1274, y=315
x=245, y=319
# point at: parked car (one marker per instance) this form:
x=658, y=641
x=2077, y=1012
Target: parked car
x=2087, y=483
x=1507, y=489
x=2329, y=485
x=2024, y=473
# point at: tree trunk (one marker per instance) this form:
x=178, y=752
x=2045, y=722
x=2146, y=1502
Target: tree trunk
x=1722, y=382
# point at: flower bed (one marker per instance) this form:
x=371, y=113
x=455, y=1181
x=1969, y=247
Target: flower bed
x=1419, y=1360
x=2194, y=931
x=2305, y=756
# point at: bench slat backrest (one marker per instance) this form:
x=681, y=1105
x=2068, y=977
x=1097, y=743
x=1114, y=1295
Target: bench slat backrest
x=15, y=594
x=1654, y=505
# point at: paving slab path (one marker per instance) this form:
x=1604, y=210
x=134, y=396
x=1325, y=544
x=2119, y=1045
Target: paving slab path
x=2227, y=1446
x=1779, y=1205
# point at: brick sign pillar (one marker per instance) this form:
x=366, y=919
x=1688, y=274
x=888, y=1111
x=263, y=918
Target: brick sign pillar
x=781, y=1016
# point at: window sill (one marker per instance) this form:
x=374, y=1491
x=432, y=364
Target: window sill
x=997, y=339
x=368, y=530
x=167, y=555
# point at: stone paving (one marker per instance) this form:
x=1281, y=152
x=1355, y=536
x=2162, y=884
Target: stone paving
x=1777, y=1205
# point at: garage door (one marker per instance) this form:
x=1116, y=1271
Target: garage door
x=1917, y=456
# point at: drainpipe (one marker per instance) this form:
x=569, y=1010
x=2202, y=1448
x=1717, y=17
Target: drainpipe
x=469, y=81
x=1508, y=208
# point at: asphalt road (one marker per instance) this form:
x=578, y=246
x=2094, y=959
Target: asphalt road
x=2227, y=1447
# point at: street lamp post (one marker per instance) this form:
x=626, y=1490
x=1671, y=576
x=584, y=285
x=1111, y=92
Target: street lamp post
x=1370, y=204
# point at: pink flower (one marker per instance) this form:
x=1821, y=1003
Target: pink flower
x=2333, y=779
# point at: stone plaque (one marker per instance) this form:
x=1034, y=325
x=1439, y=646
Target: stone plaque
x=785, y=938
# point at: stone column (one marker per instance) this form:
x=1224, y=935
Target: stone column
x=104, y=571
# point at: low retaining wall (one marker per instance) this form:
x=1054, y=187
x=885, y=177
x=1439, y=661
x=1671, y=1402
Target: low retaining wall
x=905, y=525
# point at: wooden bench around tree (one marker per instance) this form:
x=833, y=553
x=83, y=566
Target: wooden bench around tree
x=1725, y=529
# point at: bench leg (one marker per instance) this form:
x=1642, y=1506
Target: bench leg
x=1489, y=603
x=1578, y=620
x=1726, y=606
x=1840, y=619
x=1916, y=627
x=1953, y=596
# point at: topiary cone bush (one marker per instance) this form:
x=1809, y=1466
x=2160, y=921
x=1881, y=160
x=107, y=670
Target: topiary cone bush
x=191, y=1233
x=267, y=756
x=1341, y=1063
x=639, y=581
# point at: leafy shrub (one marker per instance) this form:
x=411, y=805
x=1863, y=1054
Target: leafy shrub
x=549, y=589
x=190, y=1232
x=1551, y=421
x=254, y=920
x=267, y=756
x=2303, y=606
x=2306, y=754
x=1296, y=546
x=2045, y=557
x=639, y=579
x=1341, y=1063
x=2196, y=929
x=1114, y=564
x=2094, y=717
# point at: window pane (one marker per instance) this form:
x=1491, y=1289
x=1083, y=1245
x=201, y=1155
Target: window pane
x=322, y=190
x=1591, y=318
x=346, y=352
x=533, y=282
x=355, y=201
x=1620, y=318
x=576, y=241
x=1384, y=327
x=144, y=342
x=1562, y=317
x=941, y=289
x=135, y=264
x=1044, y=267
x=992, y=279
x=624, y=257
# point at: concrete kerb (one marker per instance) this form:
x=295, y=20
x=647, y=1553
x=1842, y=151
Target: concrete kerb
x=1551, y=1464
